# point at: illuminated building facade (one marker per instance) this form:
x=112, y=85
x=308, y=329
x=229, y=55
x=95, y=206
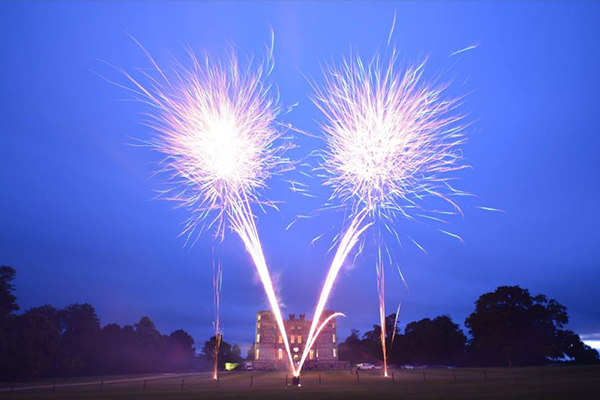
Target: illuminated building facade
x=269, y=348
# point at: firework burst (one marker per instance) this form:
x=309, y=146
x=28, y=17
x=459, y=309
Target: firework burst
x=391, y=136
x=215, y=123
x=392, y=141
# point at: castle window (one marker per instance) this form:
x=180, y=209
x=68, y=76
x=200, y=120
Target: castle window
x=293, y=327
x=280, y=355
x=257, y=354
x=280, y=339
x=295, y=356
x=258, y=326
x=333, y=338
x=258, y=338
x=334, y=353
x=311, y=354
x=293, y=339
x=258, y=317
x=299, y=339
x=317, y=353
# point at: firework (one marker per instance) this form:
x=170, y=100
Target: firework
x=215, y=123
x=217, y=283
x=392, y=139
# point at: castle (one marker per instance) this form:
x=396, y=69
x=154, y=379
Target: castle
x=269, y=348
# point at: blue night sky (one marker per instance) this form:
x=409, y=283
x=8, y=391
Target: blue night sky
x=77, y=215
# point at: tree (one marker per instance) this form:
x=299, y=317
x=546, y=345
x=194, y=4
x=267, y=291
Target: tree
x=8, y=335
x=251, y=352
x=8, y=301
x=38, y=342
x=180, y=351
x=113, y=357
x=368, y=349
x=45, y=342
x=373, y=335
x=145, y=327
x=351, y=348
x=571, y=346
x=80, y=334
x=130, y=348
x=150, y=346
x=236, y=353
x=226, y=354
x=511, y=327
x=437, y=341
x=391, y=327
x=370, y=346
x=183, y=341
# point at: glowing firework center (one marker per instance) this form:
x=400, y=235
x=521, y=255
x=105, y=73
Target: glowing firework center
x=269, y=347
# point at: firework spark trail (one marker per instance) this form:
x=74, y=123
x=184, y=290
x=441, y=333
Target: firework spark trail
x=347, y=242
x=217, y=284
x=395, y=326
x=312, y=339
x=215, y=123
x=243, y=224
x=391, y=141
x=381, y=295
x=380, y=270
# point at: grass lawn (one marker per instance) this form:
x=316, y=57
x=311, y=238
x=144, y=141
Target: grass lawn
x=555, y=382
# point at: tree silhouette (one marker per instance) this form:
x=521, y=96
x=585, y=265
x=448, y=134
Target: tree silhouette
x=350, y=349
x=437, y=341
x=508, y=326
x=250, y=353
x=8, y=301
x=39, y=341
x=571, y=346
x=80, y=334
x=49, y=342
x=8, y=336
x=226, y=352
x=511, y=327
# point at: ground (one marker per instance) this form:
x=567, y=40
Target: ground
x=553, y=382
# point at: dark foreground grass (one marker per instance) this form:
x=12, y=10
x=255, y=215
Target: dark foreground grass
x=499, y=383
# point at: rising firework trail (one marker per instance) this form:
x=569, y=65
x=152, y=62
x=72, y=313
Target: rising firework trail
x=217, y=284
x=215, y=123
x=392, y=140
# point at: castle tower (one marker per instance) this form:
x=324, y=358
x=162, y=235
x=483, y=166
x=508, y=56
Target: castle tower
x=269, y=347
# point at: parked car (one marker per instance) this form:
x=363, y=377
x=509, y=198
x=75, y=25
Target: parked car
x=247, y=366
x=365, y=366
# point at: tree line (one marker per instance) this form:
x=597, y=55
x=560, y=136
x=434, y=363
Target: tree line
x=50, y=342
x=509, y=327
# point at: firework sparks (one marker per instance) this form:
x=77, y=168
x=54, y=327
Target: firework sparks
x=347, y=242
x=381, y=292
x=215, y=123
x=217, y=283
x=312, y=338
x=392, y=139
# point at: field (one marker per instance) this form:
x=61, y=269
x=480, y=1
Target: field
x=553, y=382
